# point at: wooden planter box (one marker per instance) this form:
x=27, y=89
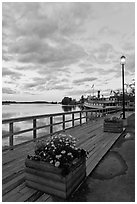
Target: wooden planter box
x=47, y=178
x=110, y=126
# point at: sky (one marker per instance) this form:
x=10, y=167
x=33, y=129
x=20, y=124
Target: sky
x=53, y=50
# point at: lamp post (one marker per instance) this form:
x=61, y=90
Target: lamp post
x=123, y=60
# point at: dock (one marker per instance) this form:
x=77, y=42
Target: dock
x=90, y=136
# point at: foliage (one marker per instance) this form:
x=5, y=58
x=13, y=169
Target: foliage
x=131, y=86
x=60, y=151
x=129, y=92
x=68, y=108
x=68, y=101
x=113, y=119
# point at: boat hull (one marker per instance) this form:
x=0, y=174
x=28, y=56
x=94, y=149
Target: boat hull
x=99, y=106
x=91, y=106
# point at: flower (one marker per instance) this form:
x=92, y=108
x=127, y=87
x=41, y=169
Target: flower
x=57, y=164
x=70, y=154
x=59, y=150
x=58, y=156
x=112, y=119
x=63, y=152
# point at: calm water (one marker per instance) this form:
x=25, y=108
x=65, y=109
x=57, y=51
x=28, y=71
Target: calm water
x=21, y=110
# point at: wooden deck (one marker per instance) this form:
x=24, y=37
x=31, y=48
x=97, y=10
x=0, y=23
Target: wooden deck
x=90, y=137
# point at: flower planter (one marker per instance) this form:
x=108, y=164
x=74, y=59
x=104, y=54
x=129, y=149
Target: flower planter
x=113, y=126
x=47, y=178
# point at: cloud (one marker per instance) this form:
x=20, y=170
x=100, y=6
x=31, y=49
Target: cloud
x=103, y=53
x=62, y=87
x=30, y=85
x=60, y=56
x=106, y=71
x=6, y=90
x=83, y=80
x=46, y=43
x=98, y=69
x=31, y=93
x=78, y=92
x=14, y=75
x=130, y=62
x=39, y=36
x=45, y=19
x=129, y=46
x=56, y=84
x=106, y=31
x=43, y=84
x=37, y=84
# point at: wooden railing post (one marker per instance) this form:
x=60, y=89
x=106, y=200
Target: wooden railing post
x=51, y=124
x=72, y=119
x=11, y=136
x=80, y=118
x=34, y=129
x=86, y=117
x=63, y=121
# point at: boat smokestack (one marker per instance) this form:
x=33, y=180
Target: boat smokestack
x=98, y=94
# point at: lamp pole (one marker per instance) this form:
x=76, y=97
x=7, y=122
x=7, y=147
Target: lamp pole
x=123, y=58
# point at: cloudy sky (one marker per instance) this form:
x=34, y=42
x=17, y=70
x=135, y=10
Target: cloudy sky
x=52, y=50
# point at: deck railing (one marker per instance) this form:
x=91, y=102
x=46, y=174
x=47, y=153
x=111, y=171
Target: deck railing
x=82, y=117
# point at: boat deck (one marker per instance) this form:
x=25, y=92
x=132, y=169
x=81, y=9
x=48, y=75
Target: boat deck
x=90, y=137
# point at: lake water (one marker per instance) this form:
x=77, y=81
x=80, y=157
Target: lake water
x=22, y=110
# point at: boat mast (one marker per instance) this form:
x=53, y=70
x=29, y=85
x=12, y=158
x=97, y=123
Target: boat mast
x=93, y=89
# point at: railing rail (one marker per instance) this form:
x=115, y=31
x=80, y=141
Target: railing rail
x=84, y=114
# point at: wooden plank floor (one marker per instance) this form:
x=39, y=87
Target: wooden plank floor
x=90, y=137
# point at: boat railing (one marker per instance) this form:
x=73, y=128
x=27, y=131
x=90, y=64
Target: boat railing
x=52, y=120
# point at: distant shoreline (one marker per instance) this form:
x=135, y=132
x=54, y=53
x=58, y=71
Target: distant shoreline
x=28, y=102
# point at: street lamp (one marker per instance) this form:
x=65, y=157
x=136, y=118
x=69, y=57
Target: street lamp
x=123, y=60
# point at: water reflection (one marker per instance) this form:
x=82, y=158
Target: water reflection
x=9, y=115
x=68, y=108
